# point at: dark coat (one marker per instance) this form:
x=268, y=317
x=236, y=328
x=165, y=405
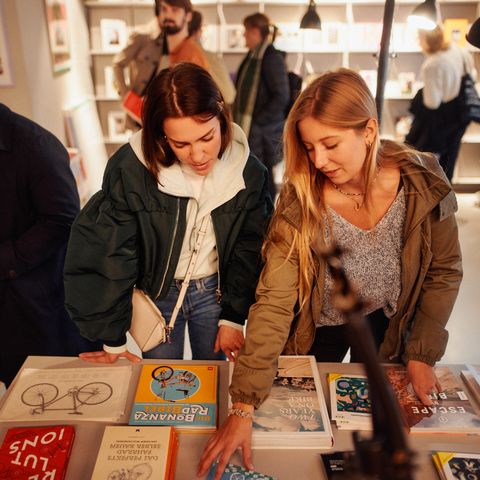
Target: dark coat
x=273, y=97
x=38, y=202
x=131, y=233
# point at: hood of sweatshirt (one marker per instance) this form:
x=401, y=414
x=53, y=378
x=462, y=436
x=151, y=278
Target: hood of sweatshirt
x=222, y=183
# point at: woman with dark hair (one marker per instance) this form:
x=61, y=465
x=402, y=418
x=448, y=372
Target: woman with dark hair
x=263, y=93
x=188, y=163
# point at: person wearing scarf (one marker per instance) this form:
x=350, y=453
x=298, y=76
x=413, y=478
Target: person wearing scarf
x=262, y=94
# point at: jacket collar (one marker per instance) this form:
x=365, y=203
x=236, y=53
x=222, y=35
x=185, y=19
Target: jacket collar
x=421, y=176
x=6, y=128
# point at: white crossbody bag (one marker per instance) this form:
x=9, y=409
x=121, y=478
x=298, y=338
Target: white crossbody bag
x=148, y=326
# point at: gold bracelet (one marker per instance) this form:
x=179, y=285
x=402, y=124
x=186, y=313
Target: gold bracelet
x=238, y=412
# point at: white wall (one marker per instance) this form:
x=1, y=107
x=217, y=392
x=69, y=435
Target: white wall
x=38, y=93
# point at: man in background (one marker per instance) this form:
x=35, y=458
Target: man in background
x=147, y=53
x=38, y=202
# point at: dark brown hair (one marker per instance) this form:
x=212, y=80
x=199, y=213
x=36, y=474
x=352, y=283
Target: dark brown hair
x=184, y=90
x=185, y=4
x=195, y=24
x=260, y=21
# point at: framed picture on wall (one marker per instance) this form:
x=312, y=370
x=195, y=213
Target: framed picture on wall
x=6, y=78
x=59, y=35
x=117, y=129
x=113, y=33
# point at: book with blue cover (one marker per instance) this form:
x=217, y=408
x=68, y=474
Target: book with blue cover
x=236, y=472
x=183, y=396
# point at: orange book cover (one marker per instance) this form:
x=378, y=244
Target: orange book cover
x=133, y=105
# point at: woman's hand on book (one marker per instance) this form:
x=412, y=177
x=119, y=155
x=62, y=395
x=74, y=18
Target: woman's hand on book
x=234, y=433
x=106, y=357
x=423, y=379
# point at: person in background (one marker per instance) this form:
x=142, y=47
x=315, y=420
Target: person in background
x=263, y=94
x=436, y=126
x=38, y=203
x=217, y=66
x=391, y=211
x=189, y=162
x=147, y=53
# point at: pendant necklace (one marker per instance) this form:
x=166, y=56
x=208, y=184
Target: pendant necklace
x=357, y=204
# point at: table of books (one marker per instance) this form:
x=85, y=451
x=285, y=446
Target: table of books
x=282, y=464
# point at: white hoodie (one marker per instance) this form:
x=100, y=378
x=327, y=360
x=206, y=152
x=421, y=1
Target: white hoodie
x=222, y=183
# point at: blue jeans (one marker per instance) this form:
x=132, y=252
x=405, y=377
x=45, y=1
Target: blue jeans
x=200, y=311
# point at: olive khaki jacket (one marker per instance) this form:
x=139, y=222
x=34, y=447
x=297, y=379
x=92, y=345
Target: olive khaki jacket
x=431, y=273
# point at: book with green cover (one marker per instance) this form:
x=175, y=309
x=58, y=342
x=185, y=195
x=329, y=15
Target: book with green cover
x=236, y=472
x=184, y=396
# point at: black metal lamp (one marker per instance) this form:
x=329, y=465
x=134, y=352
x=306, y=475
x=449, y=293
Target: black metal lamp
x=311, y=18
x=424, y=16
x=473, y=35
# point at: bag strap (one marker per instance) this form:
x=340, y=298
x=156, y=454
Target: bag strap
x=191, y=265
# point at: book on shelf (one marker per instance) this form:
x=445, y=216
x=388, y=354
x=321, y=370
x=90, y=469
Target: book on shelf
x=184, y=396
x=349, y=401
x=36, y=452
x=451, y=411
x=136, y=452
x=294, y=415
x=132, y=103
x=471, y=376
x=236, y=472
x=455, y=31
x=457, y=466
x=113, y=33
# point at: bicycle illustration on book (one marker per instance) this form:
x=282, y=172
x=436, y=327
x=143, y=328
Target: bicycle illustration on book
x=142, y=471
x=43, y=395
x=173, y=385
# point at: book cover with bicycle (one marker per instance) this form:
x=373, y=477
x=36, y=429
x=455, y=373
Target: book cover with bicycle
x=136, y=453
x=64, y=394
x=184, y=396
x=36, y=452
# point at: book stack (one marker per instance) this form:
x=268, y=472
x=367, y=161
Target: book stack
x=471, y=377
x=294, y=415
x=183, y=396
x=36, y=452
x=457, y=466
x=350, y=402
x=451, y=411
x=136, y=452
x=236, y=472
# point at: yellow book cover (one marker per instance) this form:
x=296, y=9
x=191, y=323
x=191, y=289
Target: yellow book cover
x=136, y=452
x=455, y=30
x=184, y=396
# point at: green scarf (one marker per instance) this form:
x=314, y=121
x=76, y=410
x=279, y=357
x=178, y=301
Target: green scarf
x=247, y=88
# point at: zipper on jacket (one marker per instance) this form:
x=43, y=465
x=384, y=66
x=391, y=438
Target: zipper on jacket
x=218, y=290
x=171, y=248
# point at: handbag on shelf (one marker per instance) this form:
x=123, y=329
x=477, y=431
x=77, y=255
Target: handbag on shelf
x=148, y=326
x=468, y=100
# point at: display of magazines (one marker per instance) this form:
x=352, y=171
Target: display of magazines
x=457, y=466
x=139, y=453
x=294, y=415
x=349, y=401
x=471, y=376
x=30, y=453
x=184, y=396
x=451, y=411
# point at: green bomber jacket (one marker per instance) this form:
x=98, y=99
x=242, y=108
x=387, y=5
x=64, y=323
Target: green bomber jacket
x=431, y=273
x=130, y=233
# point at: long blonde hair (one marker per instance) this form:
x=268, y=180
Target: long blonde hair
x=340, y=99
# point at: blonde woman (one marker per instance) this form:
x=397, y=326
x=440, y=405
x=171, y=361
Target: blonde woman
x=392, y=211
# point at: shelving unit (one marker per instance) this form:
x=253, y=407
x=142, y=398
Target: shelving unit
x=350, y=37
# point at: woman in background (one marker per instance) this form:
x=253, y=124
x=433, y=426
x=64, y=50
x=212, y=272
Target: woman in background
x=263, y=94
x=391, y=211
x=437, y=126
x=188, y=162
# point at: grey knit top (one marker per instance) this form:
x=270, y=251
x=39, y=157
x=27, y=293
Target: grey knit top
x=371, y=260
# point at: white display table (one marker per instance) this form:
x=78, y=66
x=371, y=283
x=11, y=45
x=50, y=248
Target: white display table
x=282, y=464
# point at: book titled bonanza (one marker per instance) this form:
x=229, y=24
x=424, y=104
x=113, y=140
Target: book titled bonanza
x=183, y=396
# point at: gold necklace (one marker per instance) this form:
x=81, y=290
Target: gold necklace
x=357, y=205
